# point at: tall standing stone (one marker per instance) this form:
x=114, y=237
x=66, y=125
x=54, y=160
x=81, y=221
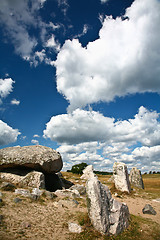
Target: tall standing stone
x=121, y=178
x=107, y=215
x=88, y=173
x=135, y=178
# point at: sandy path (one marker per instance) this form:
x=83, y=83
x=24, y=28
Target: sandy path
x=136, y=205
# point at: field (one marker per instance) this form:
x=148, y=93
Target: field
x=48, y=218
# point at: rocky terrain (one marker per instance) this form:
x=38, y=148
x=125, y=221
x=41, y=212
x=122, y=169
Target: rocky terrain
x=76, y=207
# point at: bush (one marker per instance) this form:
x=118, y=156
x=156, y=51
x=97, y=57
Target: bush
x=78, y=168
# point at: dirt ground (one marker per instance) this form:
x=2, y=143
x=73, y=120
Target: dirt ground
x=48, y=219
x=136, y=205
x=36, y=220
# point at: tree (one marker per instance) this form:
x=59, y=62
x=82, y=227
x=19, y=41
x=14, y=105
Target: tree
x=78, y=168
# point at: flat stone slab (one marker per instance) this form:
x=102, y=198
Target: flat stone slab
x=39, y=158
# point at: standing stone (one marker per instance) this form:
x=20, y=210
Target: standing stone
x=135, y=178
x=121, y=178
x=39, y=158
x=107, y=215
x=88, y=172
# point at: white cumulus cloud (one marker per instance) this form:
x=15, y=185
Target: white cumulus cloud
x=6, y=87
x=15, y=102
x=34, y=141
x=88, y=126
x=7, y=134
x=124, y=59
x=91, y=137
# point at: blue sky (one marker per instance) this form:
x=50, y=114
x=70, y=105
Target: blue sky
x=82, y=77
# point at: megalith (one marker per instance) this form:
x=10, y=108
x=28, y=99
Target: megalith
x=135, y=178
x=107, y=215
x=32, y=166
x=38, y=158
x=88, y=172
x=121, y=178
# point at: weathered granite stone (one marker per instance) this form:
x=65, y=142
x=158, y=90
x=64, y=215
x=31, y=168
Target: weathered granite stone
x=23, y=192
x=49, y=195
x=88, y=172
x=32, y=179
x=148, y=209
x=121, y=178
x=135, y=178
x=107, y=215
x=80, y=188
x=39, y=158
x=74, y=227
x=68, y=193
x=17, y=200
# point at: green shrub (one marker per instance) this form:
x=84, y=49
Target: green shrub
x=78, y=168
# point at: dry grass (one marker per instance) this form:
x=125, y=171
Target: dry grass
x=48, y=219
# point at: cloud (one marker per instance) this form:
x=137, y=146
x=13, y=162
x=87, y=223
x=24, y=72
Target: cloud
x=36, y=142
x=104, y=1
x=6, y=87
x=88, y=126
x=91, y=137
x=52, y=43
x=84, y=152
x=124, y=59
x=17, y=16
x=15, y=102
x=84, y=126
x=36, y=136
x=7, y=134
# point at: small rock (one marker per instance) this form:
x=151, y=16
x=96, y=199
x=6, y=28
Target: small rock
x=17, y=200
x=37, y=191
x=1, y=195
x=74, y=227
x=80, y=188
x=148, y=209
x=50, y=195
x=68, y=193
x=6, y=186
x=23, y=192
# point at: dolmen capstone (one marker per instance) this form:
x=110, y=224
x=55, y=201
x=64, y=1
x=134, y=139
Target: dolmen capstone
x=107, y=215
x=121, y=178
x=135, y=178
x=33, y=166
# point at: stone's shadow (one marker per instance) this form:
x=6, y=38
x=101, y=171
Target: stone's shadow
x=52, y=182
